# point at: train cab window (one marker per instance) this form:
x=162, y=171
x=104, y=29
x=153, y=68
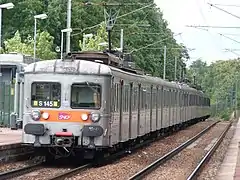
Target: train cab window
x=86, y=95
x=46, y=94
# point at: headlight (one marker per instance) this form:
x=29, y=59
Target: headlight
x=95, y=117
x=84, y=117
x=45, y=115
x=36, y=115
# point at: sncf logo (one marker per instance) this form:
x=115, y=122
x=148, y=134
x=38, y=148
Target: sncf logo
x=63, y=116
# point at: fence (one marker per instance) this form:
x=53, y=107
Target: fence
x=223, y=110
x=6, y=103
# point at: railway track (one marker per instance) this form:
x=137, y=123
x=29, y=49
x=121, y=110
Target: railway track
x=20, y=171
x=208, y=155
x=38, y=167
x=74, y=171
x=71, y=172
x=150, y=168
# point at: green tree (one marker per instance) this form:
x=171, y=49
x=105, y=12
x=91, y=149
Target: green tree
x=136, y=36
x=43, y=47
x=93, y=42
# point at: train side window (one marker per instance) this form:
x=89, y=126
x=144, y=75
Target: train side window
x=126, y=98
x=159, y=97
x=165, y=97
x=185, y=99
x=175, y=98
x=123, y=98
x=130, y=100
x=157, y=89
x=170, y=97
x=139, y=97
x=154, y=98
x=113, y=98
x=135, y=98
x=148, y=98
x=116, y=97
x=143, y=98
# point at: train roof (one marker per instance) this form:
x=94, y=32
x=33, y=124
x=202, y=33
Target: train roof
x=16, y=59
x=68, y=67
x=94, y=68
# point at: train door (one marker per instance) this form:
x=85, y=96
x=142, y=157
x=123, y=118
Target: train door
x=134, y=111
x=142, y=110
x=115, y=113
x=147, y=110
x=161, y=99
x=153, y=107
x=158, y=106
x=125, y=111
x=130, y=111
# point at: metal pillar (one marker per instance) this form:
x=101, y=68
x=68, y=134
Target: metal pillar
x=164, y=65
x=175, y=75
x=121, y=41
x=62, y=46
x=0, y=28
x=21, y=101
x=35, y=38
x=68, y=25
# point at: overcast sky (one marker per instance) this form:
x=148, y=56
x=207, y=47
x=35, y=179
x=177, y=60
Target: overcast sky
x=209, y=45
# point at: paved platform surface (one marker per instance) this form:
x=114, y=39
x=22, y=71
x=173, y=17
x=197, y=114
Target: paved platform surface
x=10, y=137
x=230, y=167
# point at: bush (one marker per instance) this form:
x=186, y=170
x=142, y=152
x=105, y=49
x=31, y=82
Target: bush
x=225, y=115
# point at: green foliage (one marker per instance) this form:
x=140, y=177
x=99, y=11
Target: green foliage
x=15, y=44
x=93, y=42
x=44, y=45
x=219, y=81
x=85, y=19
x=225, y=114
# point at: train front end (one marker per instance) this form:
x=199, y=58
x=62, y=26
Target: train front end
x=65, y=109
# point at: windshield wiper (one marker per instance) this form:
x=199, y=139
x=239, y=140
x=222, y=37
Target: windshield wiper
x=92, y=87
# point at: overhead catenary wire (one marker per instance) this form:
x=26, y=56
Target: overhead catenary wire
x=221, y=34
x=212, y=5
x=144, y=47
x=232, y=51
x=229, y=5
x=203, y=26
x=116, y=19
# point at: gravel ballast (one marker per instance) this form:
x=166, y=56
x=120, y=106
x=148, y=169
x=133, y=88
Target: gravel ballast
x=129, y=165
x=181, y=166
x=209, y=172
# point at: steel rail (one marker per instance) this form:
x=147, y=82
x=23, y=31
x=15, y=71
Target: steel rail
x=19, y=171
x=70, y=173
x=169, y=155
x=206, y=158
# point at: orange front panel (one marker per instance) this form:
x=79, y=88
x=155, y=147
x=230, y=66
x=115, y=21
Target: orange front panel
x=65, y=116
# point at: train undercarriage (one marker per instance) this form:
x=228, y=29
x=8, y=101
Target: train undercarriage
x=65, y=146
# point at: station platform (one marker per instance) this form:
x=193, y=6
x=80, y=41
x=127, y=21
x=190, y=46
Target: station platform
x=10, y=137
x=11, y=149
x=230, y=167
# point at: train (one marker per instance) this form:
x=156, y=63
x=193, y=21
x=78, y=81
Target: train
x=11, y=66
x=91, y=103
